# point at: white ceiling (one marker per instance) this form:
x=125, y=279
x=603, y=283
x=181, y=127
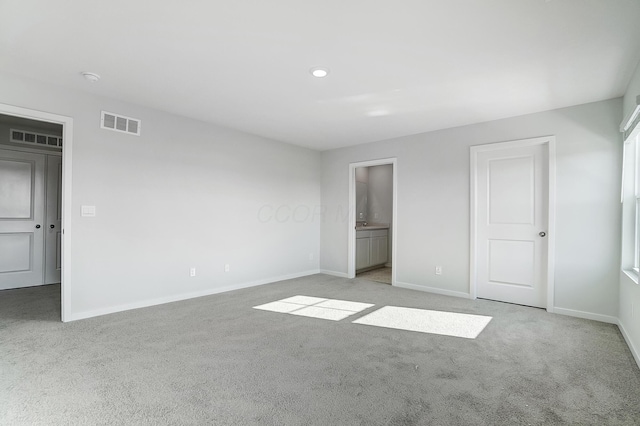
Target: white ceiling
x=397, y=68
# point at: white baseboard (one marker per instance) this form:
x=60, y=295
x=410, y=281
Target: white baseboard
x=185, y=296
x=586, y=315
x=435, y=290
x=633, y=349
x=334, y=273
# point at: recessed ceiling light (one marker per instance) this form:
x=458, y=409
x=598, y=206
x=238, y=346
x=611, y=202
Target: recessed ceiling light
x=319, y=72
x=90, y=76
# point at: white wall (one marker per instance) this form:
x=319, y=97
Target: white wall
x=184, y=194
x=630, y=291
x=433, y=203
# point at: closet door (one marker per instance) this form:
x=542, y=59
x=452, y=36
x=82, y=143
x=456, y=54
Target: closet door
x=21, y=219
x=53, y=229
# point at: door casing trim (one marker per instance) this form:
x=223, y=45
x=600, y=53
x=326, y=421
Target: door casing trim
x=550, y=142
x=67, y=137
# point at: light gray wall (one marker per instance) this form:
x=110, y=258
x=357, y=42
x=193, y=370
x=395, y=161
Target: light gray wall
x=630, y=291
x=380, y=194
x=183, y=194
x=633, y=90
x=380, y=199
x=362, y=174
x=433, y=202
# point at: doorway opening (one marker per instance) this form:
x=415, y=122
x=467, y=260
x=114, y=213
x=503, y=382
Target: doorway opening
x=373, y=220
x=35, y=182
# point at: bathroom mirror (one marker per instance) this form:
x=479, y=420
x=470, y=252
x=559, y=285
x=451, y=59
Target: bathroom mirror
x=361, y=201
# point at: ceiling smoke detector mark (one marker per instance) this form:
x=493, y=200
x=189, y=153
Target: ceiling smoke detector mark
x=120, y=123
x=90, y=76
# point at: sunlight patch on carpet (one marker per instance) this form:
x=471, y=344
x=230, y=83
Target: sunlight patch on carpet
x=315, y=307
x=425, y=321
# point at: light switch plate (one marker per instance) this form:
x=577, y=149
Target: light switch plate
x=88, y=211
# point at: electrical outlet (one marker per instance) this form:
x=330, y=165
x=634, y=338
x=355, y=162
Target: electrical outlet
x=375, y=215
x=310, y=256
x=438, y=270
x=192, y=272
x=227, y=267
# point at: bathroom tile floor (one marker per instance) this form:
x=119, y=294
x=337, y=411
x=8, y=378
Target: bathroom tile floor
x=382, y=275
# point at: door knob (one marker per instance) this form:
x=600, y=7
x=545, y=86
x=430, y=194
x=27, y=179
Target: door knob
x=543, y=234
x=38, y=226
x=52, y=226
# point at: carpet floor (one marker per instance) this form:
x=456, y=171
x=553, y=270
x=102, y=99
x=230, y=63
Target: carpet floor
x=216, y=360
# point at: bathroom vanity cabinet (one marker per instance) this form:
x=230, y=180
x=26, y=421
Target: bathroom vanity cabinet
x=372, y=248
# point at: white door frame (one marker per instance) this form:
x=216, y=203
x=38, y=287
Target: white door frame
x=550, y=142
x=351, y=267
x=67, y=137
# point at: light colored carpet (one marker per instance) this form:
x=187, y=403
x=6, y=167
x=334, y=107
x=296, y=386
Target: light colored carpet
x=381, y=275
x=215, y=360
x=426, y=321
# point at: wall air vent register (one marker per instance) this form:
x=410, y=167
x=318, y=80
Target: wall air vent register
x=120, y=123
x=33, y=138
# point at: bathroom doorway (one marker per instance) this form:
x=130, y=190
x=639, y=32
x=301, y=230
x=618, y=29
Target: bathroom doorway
x=372, y=221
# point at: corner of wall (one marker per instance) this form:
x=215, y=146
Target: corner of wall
x=627, y=338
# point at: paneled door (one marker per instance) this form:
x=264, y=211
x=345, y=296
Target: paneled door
x=511, y=224
x=53, y=226
x=21, y=219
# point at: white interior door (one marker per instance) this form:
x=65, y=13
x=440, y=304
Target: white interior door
x=511, y=224
x=21, y=219
x=53, y=226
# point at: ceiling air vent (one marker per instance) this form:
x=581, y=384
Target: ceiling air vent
x=120, y=123
x=33, y=138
